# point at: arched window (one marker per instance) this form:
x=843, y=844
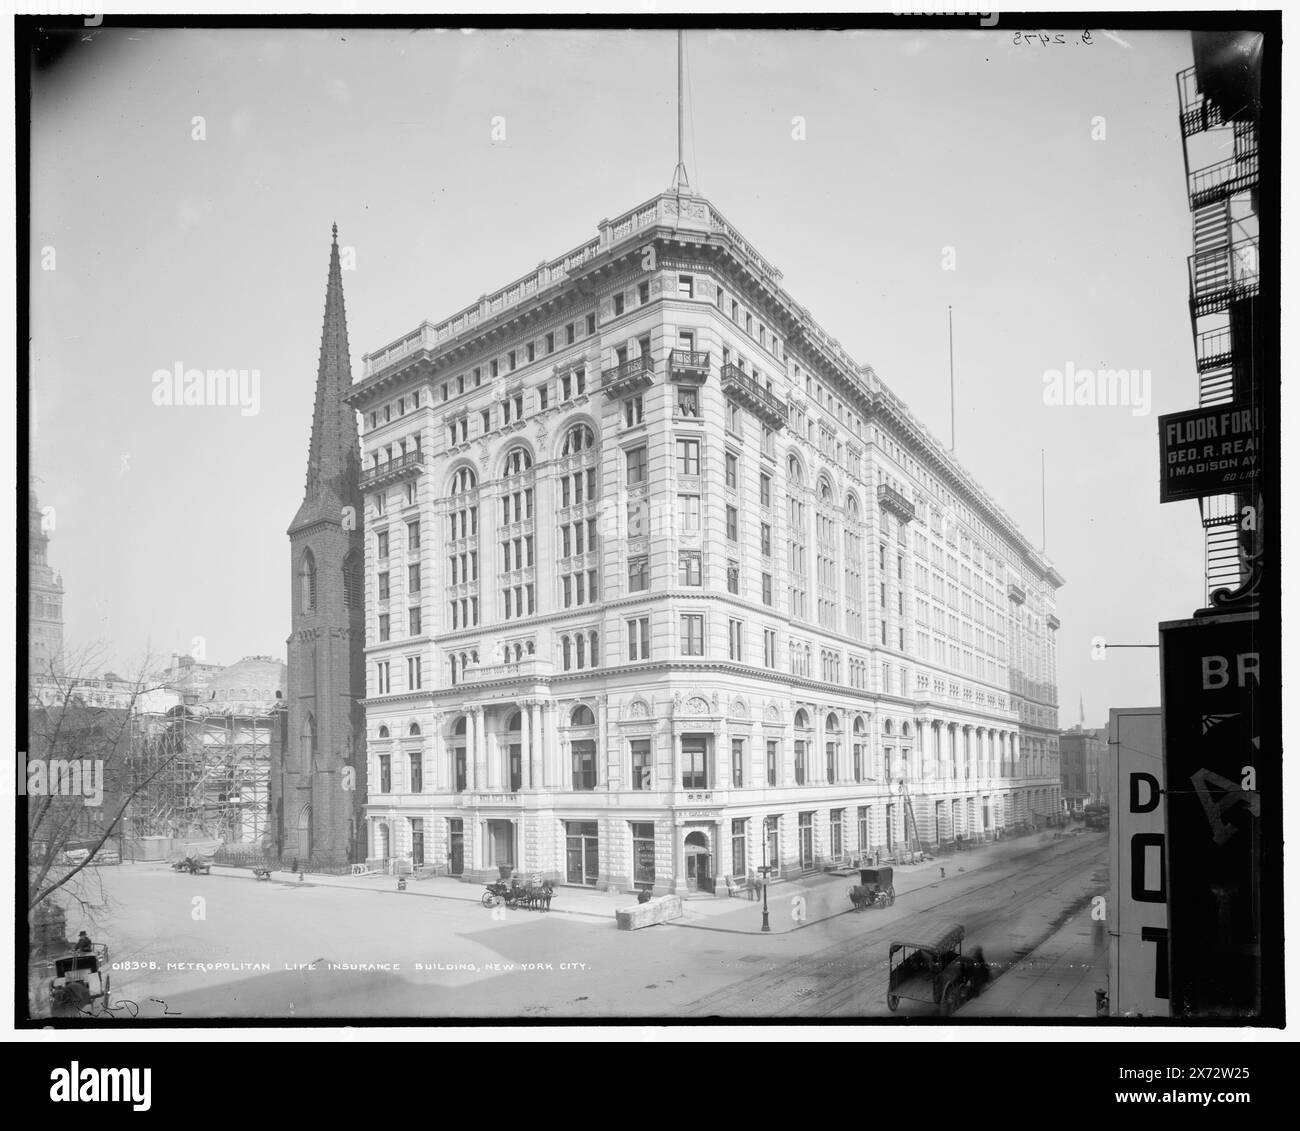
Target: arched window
x=594, y=648
x=889, y=726
x=582, y=717
x=307, y=741
x=518, y=460
x=565, y=648
x=353, y=594
x=828, y=568
x=859, y=726
x=577, y=439
x=307, y=578
x=464, y=480
x=414, y=730
x=513, y=723
x=459, y=728
x=581, y=648
x=801, y=719
x=832, y=722
x=907, y=731
x=383, y=732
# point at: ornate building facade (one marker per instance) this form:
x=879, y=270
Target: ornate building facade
x=318, y=779
x=661, y=585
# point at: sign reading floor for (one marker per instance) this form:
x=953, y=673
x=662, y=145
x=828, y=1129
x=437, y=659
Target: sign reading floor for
x=1208, y=451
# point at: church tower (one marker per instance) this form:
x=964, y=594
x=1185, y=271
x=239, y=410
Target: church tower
x=318, y=785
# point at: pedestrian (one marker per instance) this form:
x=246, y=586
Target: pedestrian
x=752, y=885
x=943, y=875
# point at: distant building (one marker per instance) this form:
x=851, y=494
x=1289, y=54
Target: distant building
x=1085, y=766
x=45, y=595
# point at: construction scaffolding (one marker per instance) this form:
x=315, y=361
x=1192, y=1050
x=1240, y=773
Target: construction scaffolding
x=203, y=773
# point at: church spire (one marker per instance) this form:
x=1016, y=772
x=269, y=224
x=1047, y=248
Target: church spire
x=332, y=460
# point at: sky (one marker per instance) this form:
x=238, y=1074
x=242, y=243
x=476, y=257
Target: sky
x=186, y=181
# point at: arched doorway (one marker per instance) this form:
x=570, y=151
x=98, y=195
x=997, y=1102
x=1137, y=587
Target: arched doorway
x=699, y=862
x=304, y=832
x=382, y=841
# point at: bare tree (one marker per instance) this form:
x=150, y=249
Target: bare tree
x=69, y=738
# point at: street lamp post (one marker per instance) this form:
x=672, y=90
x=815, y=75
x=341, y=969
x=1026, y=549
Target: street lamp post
x=764, y=870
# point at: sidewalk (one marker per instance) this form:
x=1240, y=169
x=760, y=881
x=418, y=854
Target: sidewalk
x=824, y=894
x=1058, y=979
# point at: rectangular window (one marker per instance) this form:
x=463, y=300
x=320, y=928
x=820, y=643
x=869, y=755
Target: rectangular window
x=385, y=774
x=643, y=293
x=689, y=568
x=636, y=466
x=692, y=633
x=765, y=539
x=767, y=589
x=837, y=833
x=569, y=334
x=641, y=764
x=383, y=586
x=688, y=457
x=733, y=524
x=633, y=411
x=413, y=535
x=733, y=577
x=413, y=675
x=417, y=773
x=638, y=574
x=685, y=286
x=381, y=544
x=800, y=762
x=736, y=638
x=383, y=626
x=584, y=765
x=638, y=638
x=688, y=512
x=413, y=578
x=643, y=853
x=765, y=490
x=733, y=470
x=688, y=402
x=591, y=323
x=414, y=620
x=543, y=396
x=738, y=846
x=695, y=763
x=618, y=305
x=769, y=648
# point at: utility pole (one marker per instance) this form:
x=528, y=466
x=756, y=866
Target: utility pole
x=681, y=182
x=952, y=393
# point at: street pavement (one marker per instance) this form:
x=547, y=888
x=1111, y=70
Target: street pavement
x=226, y=945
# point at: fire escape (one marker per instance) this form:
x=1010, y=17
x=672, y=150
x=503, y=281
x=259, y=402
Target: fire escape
x=1223, y=285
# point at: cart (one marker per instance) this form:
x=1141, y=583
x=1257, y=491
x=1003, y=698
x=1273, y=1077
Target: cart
x=930, y=968
x=875, y=890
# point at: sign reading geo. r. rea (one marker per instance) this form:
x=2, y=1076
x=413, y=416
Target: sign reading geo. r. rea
x=1209, y=451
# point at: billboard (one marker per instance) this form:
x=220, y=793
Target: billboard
x=1215, y=767
x=1138, y=914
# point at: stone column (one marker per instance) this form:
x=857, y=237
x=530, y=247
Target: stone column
x=677, y=767
x=492, y=753
x=526, y=746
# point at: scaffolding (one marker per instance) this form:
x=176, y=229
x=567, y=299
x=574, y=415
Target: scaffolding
x=203, y=774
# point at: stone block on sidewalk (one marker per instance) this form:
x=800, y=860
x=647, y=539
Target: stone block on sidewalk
x=647, y=914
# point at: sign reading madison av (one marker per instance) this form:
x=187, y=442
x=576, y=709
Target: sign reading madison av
x=1208, y=451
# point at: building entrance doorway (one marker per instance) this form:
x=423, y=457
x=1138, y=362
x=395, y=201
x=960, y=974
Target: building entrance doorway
x=582, y=852
x=699, y=862
x=456, y=852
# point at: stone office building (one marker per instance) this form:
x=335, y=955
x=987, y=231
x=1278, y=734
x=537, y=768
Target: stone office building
x=661, y=585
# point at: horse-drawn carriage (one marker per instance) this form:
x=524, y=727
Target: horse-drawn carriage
x=80, y=984
x=875, y=890
x=534, y=894
x=195, y=857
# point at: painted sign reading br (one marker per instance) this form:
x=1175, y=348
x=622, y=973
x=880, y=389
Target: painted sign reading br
x=1208, y=451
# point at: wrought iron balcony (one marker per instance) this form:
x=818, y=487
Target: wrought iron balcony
x=410, y=464
x=894, y=500
x=689, y=365
x=1223, y=179
x=628, y=377
x=1223, y=275
x=745, y=390
x=1195, y=112
x=1015, y=593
